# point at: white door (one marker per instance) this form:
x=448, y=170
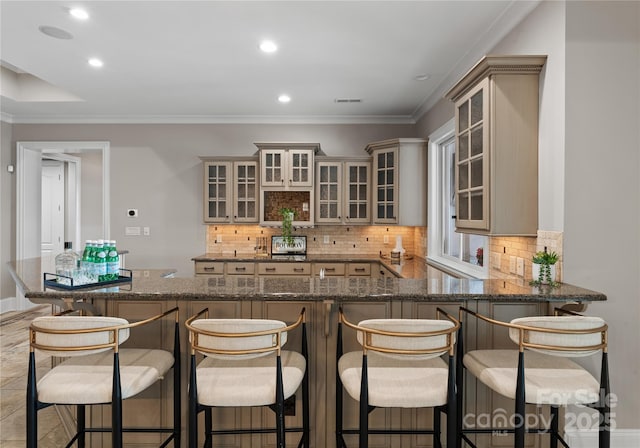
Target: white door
x=52, y=207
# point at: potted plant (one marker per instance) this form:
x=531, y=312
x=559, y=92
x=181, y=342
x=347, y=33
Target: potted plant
x=288, y=214
x=544, y=269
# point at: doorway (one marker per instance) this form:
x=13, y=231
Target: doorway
x=29, y=156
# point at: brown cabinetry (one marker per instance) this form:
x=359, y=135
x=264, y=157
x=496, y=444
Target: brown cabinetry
x=496, y=164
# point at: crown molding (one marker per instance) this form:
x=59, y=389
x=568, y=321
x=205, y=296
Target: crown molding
x=503, y=25
x=215, y=119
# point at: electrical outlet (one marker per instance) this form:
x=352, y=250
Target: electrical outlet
x=385, y=239
x=218, y=238
x=325, y=239
x=520, y=266
x=512, y=264
x=495, y=260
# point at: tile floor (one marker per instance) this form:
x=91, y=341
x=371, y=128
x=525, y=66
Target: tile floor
x=14, y=351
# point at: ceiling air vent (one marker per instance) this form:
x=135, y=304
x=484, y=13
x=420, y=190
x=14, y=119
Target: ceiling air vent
x=348, y=100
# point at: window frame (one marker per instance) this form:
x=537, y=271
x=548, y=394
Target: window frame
x=435, y=218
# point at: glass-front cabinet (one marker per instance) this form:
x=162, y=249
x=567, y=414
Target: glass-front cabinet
x=217, y=191
x=357, y=192
x=287, y=167
x=471, y=170
x=399, y=175
x=230, y=190
x=343, y=191
x=496, y=181
x=245, y=191
x=329, y=192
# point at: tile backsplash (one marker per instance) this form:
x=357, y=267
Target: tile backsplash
x=502, y=250
x=230, y=239
x=240, y=240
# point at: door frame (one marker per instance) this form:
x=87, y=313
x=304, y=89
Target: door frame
x=61, y=150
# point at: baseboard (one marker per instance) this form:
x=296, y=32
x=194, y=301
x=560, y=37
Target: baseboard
x=8, y=304
x=588, y=438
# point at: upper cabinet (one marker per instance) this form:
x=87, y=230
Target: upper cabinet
x=343, y=191
x=230, y=190
x=496, y=175
x=399, y=172
x=287, y=165
x=287, y=180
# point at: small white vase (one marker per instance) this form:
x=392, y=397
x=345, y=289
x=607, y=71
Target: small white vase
x=535, y=273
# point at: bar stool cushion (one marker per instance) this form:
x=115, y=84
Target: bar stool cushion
x=396, y=382
x=560, y=339
x=88, y=379
x=247, y=381
x=548, y=379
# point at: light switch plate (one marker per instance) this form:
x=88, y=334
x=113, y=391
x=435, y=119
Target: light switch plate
x=495, y=260
x=512, y=264
x=520, y=266
x=132, y=231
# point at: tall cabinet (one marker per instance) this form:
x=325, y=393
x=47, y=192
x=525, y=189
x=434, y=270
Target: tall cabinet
x=399, y=174
x=496, y=164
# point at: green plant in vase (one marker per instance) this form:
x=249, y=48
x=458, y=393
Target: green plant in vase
x=545, y=260
x=288, y=214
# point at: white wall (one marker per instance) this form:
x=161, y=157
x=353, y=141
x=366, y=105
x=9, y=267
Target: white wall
x=602, y=187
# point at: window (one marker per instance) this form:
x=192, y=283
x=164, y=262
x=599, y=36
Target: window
x=462, y=252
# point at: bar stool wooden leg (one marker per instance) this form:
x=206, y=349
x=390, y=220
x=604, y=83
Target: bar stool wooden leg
x=553, y=436
x=520, y=404
x=364, y=406
x=604, y=434
x=32, y=404
x=208, y=428
x=116, y=405
x=81, y=425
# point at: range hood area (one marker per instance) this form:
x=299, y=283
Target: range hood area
x=287, y=181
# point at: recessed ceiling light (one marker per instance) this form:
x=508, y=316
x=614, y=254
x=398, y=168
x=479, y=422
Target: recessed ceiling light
x=268, y=46
x=422, y=77
x=79, y=13
x=284, y=98
x=54, y=32
x=95, y=62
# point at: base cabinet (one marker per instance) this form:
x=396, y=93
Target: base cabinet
x=322, y=323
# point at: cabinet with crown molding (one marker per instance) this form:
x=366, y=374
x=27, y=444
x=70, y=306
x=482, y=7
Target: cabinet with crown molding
x=496, y=162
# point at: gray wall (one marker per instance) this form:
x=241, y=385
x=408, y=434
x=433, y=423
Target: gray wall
x=156, y=169
x=602, y=187
x=7, y=211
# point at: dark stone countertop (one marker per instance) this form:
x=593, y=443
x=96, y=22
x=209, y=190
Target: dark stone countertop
x=427, y=284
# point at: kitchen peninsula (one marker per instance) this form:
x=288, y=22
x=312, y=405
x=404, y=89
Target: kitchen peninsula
x=415, y=293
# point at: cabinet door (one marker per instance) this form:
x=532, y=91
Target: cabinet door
x=300, y=164
x=328, y=191
x=273, y=167
x=357, y=192
x=246, y=191
x=217, y=191
x=385, y=186
x=472, y=159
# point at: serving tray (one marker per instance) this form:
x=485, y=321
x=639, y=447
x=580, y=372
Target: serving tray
x=53, y=281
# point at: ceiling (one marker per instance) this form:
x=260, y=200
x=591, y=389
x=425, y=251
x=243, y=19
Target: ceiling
x=199, y=61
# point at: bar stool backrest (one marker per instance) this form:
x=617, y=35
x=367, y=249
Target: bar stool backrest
x=76, y=335
x=405, y=341
x=237, y=335
x=577, y=335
